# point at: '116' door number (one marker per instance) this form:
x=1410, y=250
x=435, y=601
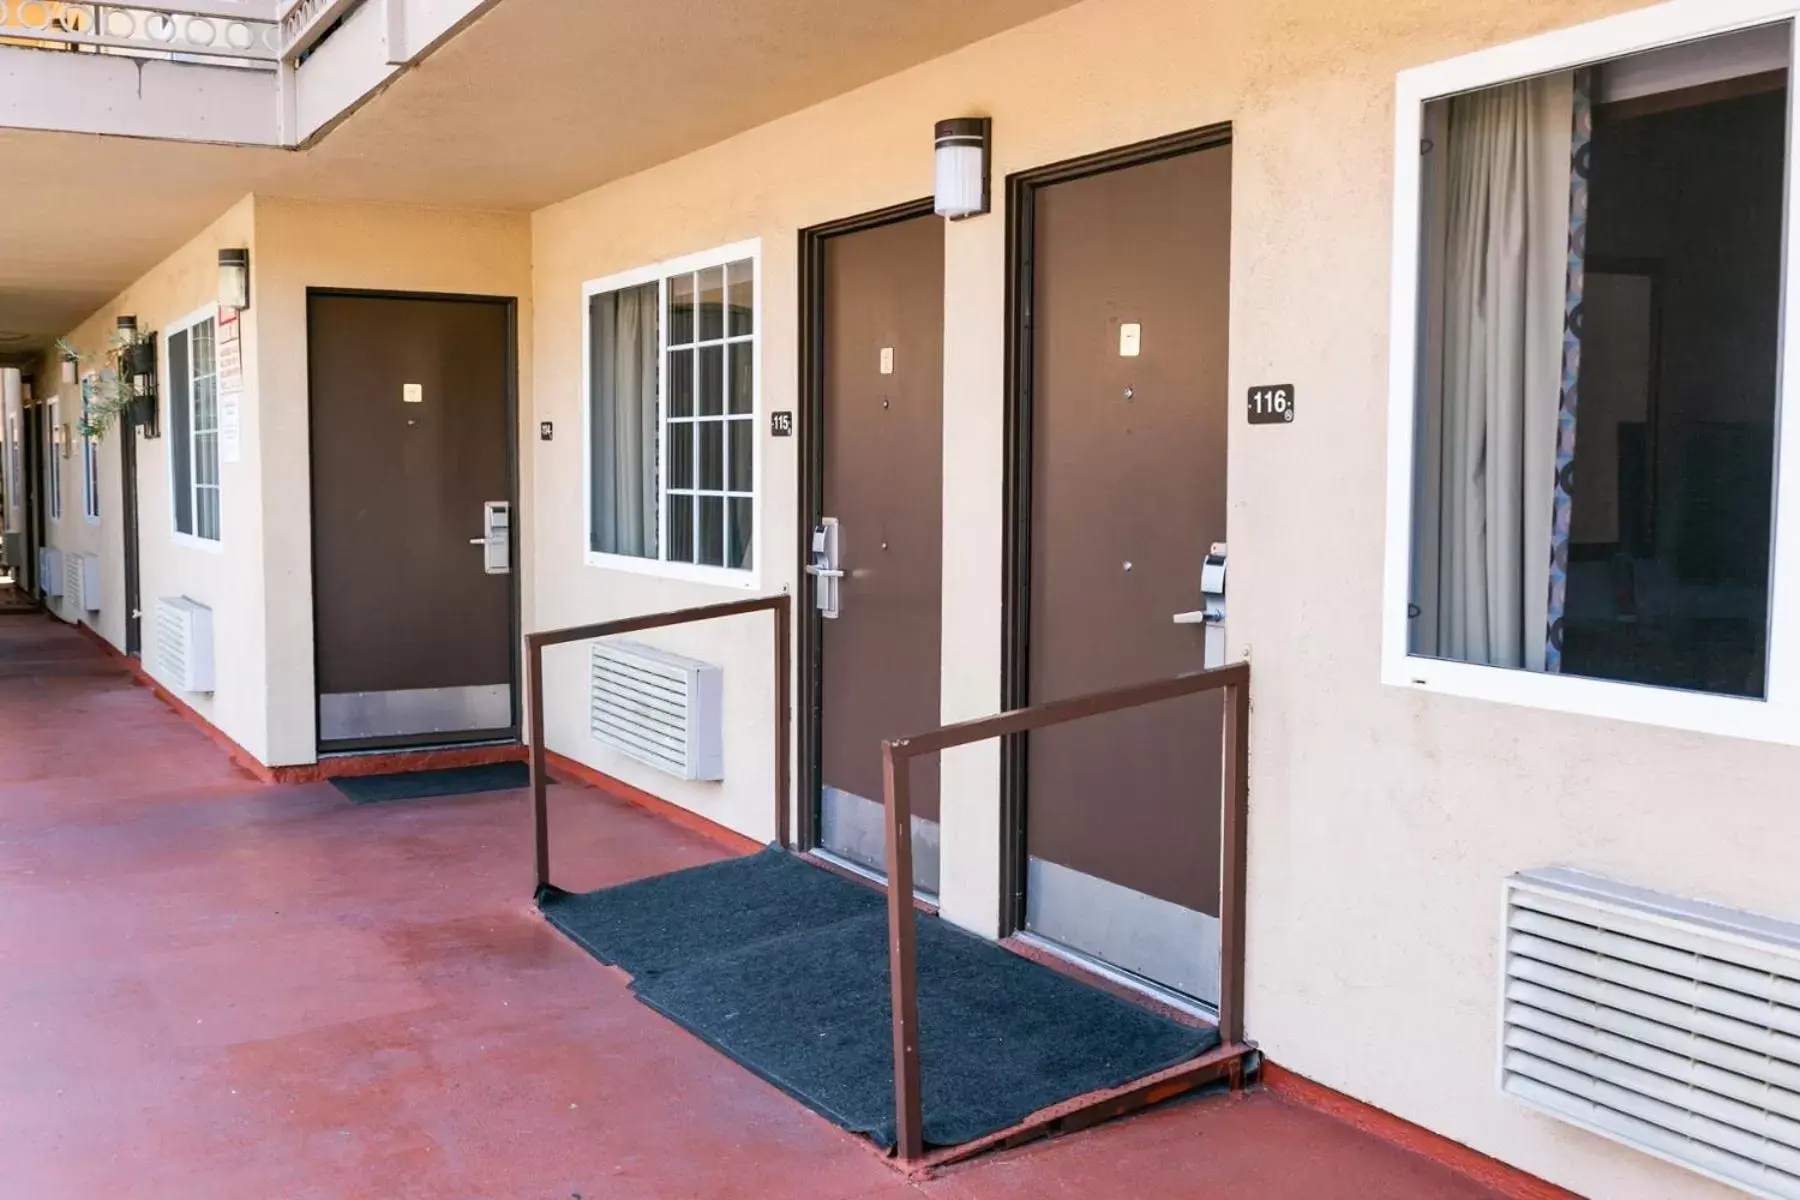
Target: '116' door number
x=1272, y=404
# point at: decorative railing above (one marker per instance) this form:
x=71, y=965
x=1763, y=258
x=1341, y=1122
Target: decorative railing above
x=304, y=22
x=206, y=30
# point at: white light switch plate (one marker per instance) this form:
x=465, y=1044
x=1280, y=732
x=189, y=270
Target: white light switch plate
x=413, y=393
x=887, y=360
x=1130, y=337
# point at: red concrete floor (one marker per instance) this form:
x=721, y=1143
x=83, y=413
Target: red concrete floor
x=215, y=988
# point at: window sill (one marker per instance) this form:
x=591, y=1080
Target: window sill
x=1641, y=704
x=682, y=572
x=209, y=545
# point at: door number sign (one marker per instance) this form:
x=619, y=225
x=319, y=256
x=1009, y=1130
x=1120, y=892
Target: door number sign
x=1272, y=404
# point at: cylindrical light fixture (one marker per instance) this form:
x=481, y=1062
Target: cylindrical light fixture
x=127, y=325
x=962, y=167
x=68, y=369
x=234, y=279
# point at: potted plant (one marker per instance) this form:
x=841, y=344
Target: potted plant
x=110, y=394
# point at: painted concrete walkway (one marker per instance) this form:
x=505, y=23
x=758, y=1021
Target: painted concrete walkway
x=214, y=988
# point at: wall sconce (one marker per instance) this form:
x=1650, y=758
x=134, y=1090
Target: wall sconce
x=962, y=167
x=137, y=364
x=68, y=368
x=234, y=279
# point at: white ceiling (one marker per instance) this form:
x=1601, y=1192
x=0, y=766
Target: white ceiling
x=537, y=101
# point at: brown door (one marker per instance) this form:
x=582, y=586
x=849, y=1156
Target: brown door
x=1128, y=425
x=412, y=485
x=881, y=500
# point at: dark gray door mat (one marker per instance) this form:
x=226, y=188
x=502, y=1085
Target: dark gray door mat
x=783, y=967
x=415, y=785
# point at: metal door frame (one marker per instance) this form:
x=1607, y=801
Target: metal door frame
x=515, y=590
x=1015, y=655
x=129, y=535
x=811, y=432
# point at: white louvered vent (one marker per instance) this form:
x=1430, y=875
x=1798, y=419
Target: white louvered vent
x=1670, y=1025
x=184, y=643
x=81, y=584
x=50, y=570
x=660, y=708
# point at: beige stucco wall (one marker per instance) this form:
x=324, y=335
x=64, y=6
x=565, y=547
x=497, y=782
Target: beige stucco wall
x=1383, y=821
x=228, y=578
x=75, y=533
x=259, y=581
x=305, y=244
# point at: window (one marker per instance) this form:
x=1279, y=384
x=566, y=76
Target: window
x=1587, y=371
x=671, y=416
x=53, y=445
x=90, y=456
x=194, y=428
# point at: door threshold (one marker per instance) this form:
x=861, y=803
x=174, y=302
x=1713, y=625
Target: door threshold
x=867, y=874
x=418, y=748
x=1180, y=1001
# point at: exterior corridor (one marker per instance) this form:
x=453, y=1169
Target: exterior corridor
x=210, y=987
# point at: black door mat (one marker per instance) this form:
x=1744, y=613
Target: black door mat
x=654, y=925
x=783, y=967
x=452, y=781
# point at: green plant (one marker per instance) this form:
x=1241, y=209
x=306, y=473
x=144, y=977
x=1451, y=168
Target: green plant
x=106, y=391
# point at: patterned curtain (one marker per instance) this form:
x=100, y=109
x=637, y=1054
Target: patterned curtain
x=1562, y=507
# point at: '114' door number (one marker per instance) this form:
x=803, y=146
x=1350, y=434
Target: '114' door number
x=1272, y=404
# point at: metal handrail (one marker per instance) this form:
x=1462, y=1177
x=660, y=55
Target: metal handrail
x=896, y=760
x=779, y=605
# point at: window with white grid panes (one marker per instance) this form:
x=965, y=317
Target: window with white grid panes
x=670, y=433
x=194, y=438
x=708, y=419
x=90, y=459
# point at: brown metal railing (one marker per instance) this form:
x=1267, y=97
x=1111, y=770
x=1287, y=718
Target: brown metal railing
x=781, y=606
x=896, y=761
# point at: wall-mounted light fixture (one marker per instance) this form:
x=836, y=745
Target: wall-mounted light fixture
x=137, y=364
x=234, y=279
x=962, y=167
x=68, y=368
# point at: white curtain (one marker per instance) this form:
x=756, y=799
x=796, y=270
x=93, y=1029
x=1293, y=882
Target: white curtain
x=624, y=420
x=1501, y=281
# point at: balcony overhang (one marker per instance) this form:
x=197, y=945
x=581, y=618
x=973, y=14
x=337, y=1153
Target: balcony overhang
x=243, y=72
x=137, y=97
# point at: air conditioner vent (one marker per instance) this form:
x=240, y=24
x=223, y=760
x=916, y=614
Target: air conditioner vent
x=1669, y=1025
x=50, y=570
x=81, y=584
x=659, y=708
x=184, y=644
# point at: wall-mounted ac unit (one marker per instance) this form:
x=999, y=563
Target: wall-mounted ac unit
x=1669, y=1025
x=659, y=708
x=81, y=584
x=184, y=644
x=50, y=570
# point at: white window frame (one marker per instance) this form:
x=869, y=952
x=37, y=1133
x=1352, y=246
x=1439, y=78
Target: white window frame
x=747, y=577
x=53, y=477
x=90, y=463
x=1776, y=718
x=186, y=325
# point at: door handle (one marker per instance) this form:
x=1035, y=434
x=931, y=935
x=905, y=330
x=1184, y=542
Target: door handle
x=496, y=542
x=823, y=567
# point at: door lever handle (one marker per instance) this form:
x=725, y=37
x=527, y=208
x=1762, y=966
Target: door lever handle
x=478, y=541
x=819, y=572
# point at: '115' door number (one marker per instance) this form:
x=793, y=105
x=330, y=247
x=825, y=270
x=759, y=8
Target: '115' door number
x=1272, y=404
